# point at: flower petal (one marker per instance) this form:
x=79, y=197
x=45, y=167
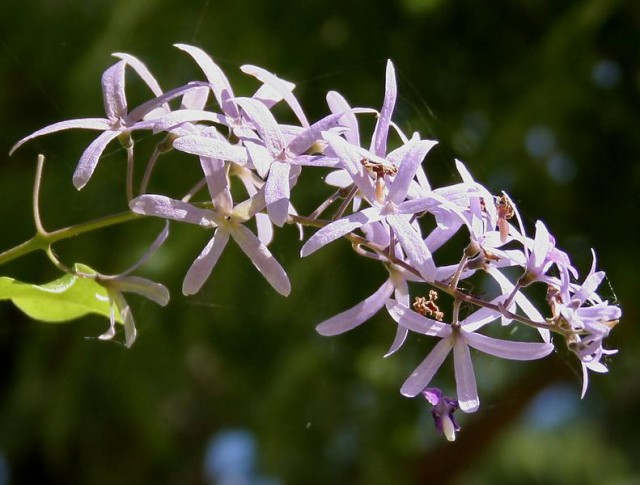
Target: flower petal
x=167, y=208
x=379, y=141
x=507, y=349
x=212, y=148
x=90, y=158
x=422, y=375
x=276, y=193
x=337, y=104
x=351, y=158
x=262, y=259
x=219, y=82
x=115, y=100
x=202, y=267
x=339, y=228
x=358, y=314
x=145, y=287
x=265, y=125
x=142, y=71
x=175, y=118
x=283, y=88
x=305, y=139
x=407, y=169
x=102, y=124
x=465, y=377
x=414, y=246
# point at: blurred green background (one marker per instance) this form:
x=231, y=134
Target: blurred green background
x=539, y=98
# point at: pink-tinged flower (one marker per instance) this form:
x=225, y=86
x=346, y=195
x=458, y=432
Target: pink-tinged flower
x=116, y=285
x=396, y=284
x=390, y=205
x=280, y=157
x=459, y=337
x=580, y=309
x=119, y=123
x=541, y=256
x=228, y=221
x=230, y=115
x=442, y=411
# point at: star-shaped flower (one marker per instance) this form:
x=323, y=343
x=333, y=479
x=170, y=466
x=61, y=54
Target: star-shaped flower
x=459, y=337
x=119, y=123
x=116, y=285
x=228, y=221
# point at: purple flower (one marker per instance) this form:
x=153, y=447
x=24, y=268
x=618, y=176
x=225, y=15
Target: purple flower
x=459, y=337
x=541, y=256
x=392, y=208
x=116, y=285
x=119, y=122
x=580, y=310
x=442, y=411
x=396, y=284
x=228, y=221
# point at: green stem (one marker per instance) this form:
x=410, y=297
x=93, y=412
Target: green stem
x=43, y=241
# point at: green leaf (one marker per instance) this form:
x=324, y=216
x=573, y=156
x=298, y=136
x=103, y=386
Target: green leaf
x=61, y=300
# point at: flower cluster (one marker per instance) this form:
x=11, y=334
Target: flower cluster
x=381, y=201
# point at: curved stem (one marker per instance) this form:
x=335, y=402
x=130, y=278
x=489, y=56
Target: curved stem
x=36, y=197
x=42, y=241
x=147, y=173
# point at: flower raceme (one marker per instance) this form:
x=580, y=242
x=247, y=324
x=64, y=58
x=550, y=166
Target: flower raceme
x=380, y=200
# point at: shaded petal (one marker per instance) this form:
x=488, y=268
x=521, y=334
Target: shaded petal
x=585, y=380
x=259, y=157
x=195, y=99
x=90, y=157
x=102, y=124
x=541, y=245
x=262, y=259
x=339, y=228
x=111, y=331
x=590, y=285
x=358, y=314
x=269, y=96
x=401, y=294
x=212, y=148
x=180, y=116
x=202, y=267
x=422, y=375
x=337, y=104
x=120, y=305
x=115, y=100
x=265, y=125
x=142, y=71
x=219, y=82
x=276, y=193
x=507, y=349
x=264, y=228
x=379, y=141
x=151, y=290
x=398, y=340
x=414, y=246
x=167, y=208
x=465, y=378
x=283, y=88
x=305, y=139
x=351, y=158
x=215, y=174
x=407, y=169
x=145, y=108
